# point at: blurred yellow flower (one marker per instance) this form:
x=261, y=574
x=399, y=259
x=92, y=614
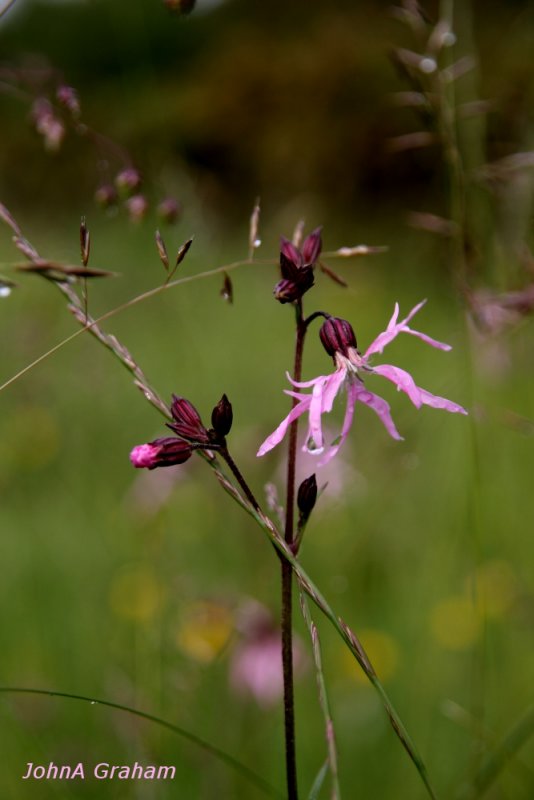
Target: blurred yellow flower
x=455, y=623
x=494, y=588
x=204, y=630
x=136, y=593
x=383, y=652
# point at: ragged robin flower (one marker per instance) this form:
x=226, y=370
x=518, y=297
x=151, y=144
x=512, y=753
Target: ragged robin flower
x=352, y=367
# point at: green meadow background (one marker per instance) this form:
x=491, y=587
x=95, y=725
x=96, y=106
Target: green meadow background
x=129, y=586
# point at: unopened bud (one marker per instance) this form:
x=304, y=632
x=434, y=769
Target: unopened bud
x=164, y=452
x=337, y=336
x=311, y=249
x=187, y=422
x=306, y=497
x=222, y=417
x=291, y=289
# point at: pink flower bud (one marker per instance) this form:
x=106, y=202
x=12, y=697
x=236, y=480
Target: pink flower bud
x=160, y=453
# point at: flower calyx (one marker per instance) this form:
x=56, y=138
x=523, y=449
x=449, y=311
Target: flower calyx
x=337, y=336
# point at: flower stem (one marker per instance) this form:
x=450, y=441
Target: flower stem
x=287, y=578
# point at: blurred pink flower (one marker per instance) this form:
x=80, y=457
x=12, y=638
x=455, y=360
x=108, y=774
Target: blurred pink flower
x=339, y=341
x=256, y=664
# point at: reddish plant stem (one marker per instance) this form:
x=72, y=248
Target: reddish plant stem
x=287, y=578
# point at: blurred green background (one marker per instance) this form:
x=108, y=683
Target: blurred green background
x=131, y=587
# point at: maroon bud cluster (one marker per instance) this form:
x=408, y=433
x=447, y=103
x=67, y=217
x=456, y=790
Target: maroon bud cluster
x=222, y=417
x=187, y=423
x=307, y=497
x=337, y=336
x=297, y=267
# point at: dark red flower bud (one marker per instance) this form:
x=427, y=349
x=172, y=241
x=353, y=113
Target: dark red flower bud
x=160, y=453
x=289, y=251
x=222, y=417
x=306, y=497
x=313, y=244
x=337, y=336
x=289, y=290
x=187, y=423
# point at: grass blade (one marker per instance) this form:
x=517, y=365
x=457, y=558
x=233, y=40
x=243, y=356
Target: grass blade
x=323, y=698
x=318, y=782
x=226, y=758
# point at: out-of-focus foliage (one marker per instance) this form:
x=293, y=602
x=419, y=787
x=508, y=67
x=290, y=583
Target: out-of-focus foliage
x=248, y=97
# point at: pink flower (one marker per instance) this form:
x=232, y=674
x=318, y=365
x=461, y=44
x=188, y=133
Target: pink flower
x=256, y=662
x=339, y=341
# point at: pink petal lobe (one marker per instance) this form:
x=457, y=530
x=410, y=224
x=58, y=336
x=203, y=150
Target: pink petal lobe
x=381, y=408
x=277, y=435
x=306, y=384
x=331, y=389
x=412, y=313
x=441, y=402
x=347, y=422
x=402, y=380
x=428, y=339
x=316, y=409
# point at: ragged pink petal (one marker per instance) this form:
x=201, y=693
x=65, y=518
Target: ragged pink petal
x=427, y=339
x=352, y=392
x=402, y=380
x=315, y=436
x=435, y=401
x=412, y=314
x=277, y=435
x=381, y=408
